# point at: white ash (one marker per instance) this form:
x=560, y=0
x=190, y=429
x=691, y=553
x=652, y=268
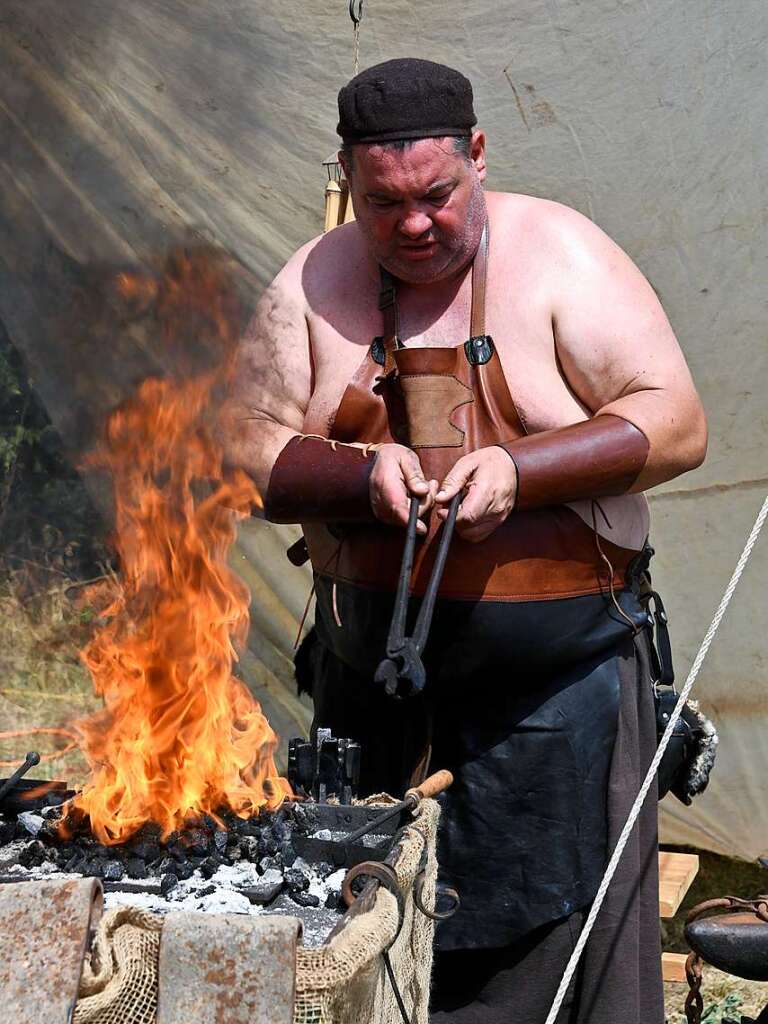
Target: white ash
x=369, y=839
x=31, y=822
x=216, y=895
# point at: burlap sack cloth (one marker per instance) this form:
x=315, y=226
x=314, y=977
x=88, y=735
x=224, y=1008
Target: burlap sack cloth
x=342, y=982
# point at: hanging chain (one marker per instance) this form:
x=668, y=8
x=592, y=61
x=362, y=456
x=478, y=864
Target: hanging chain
x=356, y=14
x=694, y=1003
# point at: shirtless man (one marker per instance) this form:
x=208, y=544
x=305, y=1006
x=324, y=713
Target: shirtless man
x=570, y=398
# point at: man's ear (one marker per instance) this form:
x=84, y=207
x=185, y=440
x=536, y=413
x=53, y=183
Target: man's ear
x=477, y=153
x=344, y=165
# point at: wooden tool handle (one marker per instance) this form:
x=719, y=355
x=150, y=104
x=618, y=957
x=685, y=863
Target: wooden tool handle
x=431, y=786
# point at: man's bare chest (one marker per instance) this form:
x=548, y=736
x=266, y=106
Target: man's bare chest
x=519, y=325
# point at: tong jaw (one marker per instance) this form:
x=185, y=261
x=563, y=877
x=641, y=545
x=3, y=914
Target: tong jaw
x=402, y=672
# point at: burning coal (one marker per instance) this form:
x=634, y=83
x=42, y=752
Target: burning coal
x=179, y=736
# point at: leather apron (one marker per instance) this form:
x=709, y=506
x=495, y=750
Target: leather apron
x=444, y=403
x=522, y=693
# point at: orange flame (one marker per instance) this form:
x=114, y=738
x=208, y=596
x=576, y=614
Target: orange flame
x=179, y=736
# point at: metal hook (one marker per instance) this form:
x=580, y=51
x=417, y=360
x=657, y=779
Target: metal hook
x=356, y=11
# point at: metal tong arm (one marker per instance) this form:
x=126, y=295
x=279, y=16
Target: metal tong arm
x=424, y=620
x=396, y=639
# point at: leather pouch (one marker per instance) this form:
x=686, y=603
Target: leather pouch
x=690, y=755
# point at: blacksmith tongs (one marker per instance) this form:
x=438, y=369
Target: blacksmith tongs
x=402, y=671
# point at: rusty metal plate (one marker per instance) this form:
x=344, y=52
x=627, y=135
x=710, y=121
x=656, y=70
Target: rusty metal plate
x=227, y=969
x=44, y=933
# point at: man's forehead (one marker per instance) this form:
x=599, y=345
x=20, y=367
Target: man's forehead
x=421, y=162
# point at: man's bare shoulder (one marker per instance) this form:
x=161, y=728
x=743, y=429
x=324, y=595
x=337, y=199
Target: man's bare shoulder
x=551, y=229
x=323, y=265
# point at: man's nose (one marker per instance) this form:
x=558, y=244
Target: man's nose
x=415, y=223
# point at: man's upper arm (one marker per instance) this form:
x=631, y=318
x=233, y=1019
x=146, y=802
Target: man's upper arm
x=617, y=348
x=273, y=379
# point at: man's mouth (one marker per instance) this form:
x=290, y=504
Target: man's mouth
x=419, y=250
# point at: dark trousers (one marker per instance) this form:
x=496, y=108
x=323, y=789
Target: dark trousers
x=500, y=986
x=618, y=980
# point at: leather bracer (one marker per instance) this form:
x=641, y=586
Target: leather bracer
x=314, y=480
x=594, y=459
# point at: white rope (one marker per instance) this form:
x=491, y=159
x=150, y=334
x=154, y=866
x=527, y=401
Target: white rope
x=649, y=778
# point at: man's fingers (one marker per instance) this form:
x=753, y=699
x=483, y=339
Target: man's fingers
x=477, y=504
x=456, y=480
x=429, y=500
x=413, y=476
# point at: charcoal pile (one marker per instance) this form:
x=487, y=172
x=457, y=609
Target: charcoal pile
x=226, y=866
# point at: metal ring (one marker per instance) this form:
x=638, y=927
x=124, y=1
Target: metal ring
x=434, y=915
x=356, y=11
x=373, y=869
x=383, y=874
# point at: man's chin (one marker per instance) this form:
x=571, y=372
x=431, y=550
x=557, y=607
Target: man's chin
x=419, y=270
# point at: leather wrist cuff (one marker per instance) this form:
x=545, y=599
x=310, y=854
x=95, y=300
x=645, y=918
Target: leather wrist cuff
x=600, y=457
x=314, y=480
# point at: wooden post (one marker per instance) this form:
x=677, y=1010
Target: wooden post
x=349, y=212
x=334, y=196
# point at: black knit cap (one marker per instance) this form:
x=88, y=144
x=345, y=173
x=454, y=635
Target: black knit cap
x=405, y=98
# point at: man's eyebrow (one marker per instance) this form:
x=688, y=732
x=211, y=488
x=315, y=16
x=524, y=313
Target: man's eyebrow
x=439, y=186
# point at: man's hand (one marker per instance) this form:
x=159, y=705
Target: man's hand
x=395, y=478
x=489, y=479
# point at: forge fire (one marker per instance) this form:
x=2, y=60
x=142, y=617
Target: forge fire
x=179, y=736
x=183, y=801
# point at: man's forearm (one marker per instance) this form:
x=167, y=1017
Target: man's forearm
x=594, y=459
x=314, y=480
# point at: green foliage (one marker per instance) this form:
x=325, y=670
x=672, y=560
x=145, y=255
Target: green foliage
x=12, y=443
x=46, y=515
x=9, y=384
x=722, y=1010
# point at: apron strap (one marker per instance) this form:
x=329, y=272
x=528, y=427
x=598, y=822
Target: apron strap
x=479, y=273
x=391, y=315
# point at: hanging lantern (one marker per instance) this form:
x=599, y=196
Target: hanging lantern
x=338, y=206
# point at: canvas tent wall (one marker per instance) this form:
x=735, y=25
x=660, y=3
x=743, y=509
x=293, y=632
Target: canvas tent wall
x=122, y=126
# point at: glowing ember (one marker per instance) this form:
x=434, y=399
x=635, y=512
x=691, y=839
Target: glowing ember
x=179, y=736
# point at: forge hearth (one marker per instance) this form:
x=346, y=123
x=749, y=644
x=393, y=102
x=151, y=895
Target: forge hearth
x=289, y=861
